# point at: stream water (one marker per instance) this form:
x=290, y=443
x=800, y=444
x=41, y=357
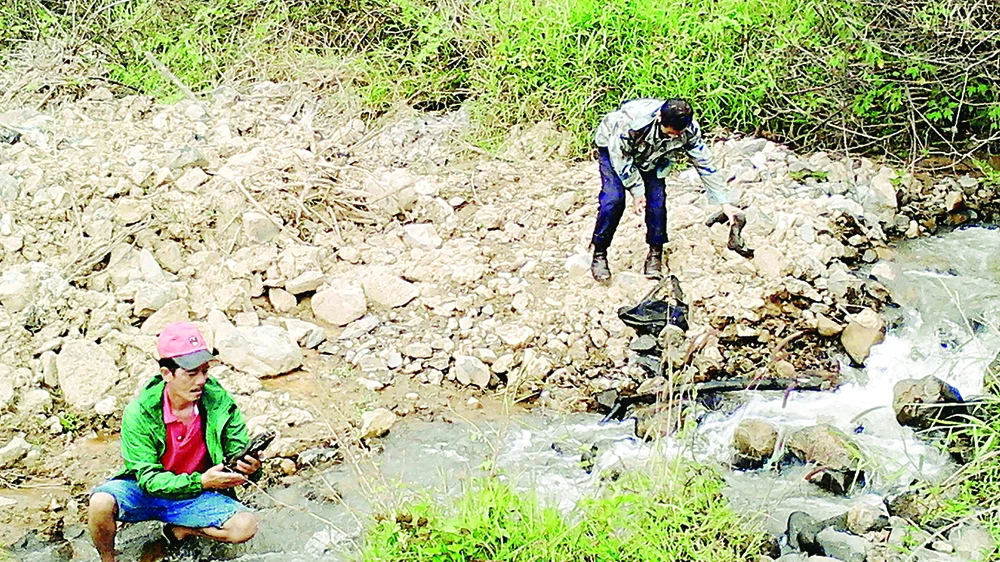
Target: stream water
x=948, y=289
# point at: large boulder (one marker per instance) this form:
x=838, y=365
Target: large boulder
x=864, y=330
x=470, y=370
x=836, y=457
x=386, y=289
x=86, y=373
x=376, y=423
x=340, y=303
x=924, y=403
x=754, y=442
x=261, y=351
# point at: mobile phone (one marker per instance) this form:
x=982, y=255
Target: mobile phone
x=253, y=449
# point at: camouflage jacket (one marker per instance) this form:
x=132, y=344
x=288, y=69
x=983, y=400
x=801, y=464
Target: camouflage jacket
x=636, y=144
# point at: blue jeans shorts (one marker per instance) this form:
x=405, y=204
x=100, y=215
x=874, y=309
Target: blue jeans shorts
x=209, y=509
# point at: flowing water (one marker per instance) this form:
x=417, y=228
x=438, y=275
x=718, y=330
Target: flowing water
x=948, y=289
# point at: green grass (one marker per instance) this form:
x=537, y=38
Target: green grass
x=976, y=488
x=874, y=74
x=681, y=518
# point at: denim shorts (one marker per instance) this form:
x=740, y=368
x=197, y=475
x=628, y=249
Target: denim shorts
x=208, y=509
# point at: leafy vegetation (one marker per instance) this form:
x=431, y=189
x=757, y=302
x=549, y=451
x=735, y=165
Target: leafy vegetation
x=683, y=517
x=911, y=76
x=978, y=482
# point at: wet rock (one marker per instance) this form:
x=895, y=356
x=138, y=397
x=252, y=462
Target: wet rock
x=376, y=423
x=340, y=304
x=261, y=351
x=388, y=290
x=863, y=331
x=842, y=546
x=926, y=402
x=972, y=542
x=833, y=452
x=470, y=370
x=86, y=373
x=754, y=441
x=13, y=451
x=867, y=514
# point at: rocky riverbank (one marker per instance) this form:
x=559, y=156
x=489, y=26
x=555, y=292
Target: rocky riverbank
x=350, y=273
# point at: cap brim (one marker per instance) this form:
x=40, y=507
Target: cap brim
x=192, y=361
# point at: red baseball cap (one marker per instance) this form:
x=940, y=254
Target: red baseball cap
x=184, y=344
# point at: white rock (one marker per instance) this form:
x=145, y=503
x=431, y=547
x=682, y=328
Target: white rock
x=106, y=406
x=248, y=318
x=864, y=330
x=86, y=373
x=376, y=423
x=191, y=179
x=469, y=370
x=388, y=290
x=359, y=327
x=423, y=234
x=578, y=266
x=13, y=451
x=565, y=202
x=260, y=351
x=418, y=350
x=770, y=262
x=393, y=360
x=174, y=311
x=515, y=335
x=35, y=401
x=259, y=228
x=340, y=304
x=307, y=334
x=6, y=392
x=281, y=300
x=304, y=282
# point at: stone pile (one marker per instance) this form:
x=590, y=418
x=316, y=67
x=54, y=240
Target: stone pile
x=298, y=238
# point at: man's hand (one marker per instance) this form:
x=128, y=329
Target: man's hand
x=638, y=203
x=248, y=465
x=219, y=478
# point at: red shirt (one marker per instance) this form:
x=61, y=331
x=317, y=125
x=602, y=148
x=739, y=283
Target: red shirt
x=186, y=451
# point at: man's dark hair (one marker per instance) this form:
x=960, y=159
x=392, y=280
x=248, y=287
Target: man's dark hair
x=676, y=114
x=169, y=364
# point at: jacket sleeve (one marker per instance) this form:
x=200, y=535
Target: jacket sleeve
x=143, y=460
x=234, y=434
x=622, y=155
x=711, y=177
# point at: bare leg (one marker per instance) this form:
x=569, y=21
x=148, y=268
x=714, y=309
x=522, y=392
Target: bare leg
x=103, y=527
x=237, y=529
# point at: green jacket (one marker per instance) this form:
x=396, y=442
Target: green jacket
x=144, y=438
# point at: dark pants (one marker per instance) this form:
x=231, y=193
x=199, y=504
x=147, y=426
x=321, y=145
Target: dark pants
x=611, y=205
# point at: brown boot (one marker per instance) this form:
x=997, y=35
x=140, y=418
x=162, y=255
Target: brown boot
x=599, y=266
x=653, y=268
